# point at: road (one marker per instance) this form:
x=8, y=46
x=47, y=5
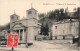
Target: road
x=44, y=46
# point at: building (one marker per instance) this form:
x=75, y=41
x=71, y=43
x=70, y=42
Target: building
x=65, y=29
x=1, y=36
x=26, y=28
x=4, y=34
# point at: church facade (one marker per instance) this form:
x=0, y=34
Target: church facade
x=26, y=28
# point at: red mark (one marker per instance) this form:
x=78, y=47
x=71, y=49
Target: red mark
x=12, y=40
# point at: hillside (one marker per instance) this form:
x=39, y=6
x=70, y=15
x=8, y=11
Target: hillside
x=48, y=21
x=57, y=15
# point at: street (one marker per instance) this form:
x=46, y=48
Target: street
x=44, y=46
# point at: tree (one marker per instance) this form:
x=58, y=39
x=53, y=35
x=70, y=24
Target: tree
x=57, y=14
x=76, y=13
x=61, y=14
x=44, y=29
x=41, y=15
x=51, y=15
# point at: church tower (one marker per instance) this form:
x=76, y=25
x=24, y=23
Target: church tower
x=13, y=19
x=32, y=13
x=32, y=16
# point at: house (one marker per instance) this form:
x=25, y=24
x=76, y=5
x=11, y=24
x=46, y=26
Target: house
x=65, y=29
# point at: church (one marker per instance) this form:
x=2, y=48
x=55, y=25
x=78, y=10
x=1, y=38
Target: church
x=26, y=28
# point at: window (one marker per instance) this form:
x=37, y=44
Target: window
x=55, y=27
x=17, y=17
x=29, y=12
x=12, y=17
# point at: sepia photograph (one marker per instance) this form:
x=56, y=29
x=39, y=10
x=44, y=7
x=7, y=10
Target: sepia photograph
x=39, y=25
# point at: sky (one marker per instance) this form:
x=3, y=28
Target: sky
x=7, y=7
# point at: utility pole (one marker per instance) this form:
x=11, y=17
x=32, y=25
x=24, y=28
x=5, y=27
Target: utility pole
x=79, y=28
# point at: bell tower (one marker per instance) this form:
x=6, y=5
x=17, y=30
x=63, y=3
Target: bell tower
x=13, y=18
x=32, y=13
